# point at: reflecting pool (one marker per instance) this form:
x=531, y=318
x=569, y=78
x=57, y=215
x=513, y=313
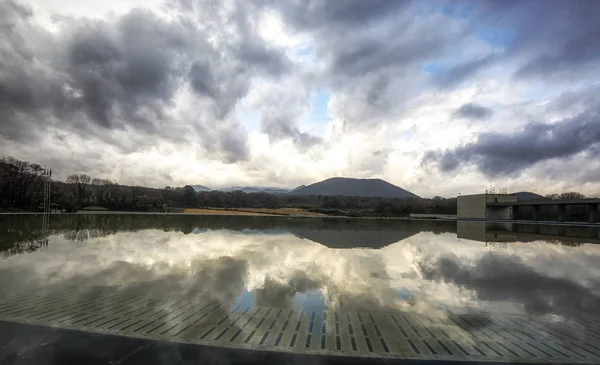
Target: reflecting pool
x=354, y=287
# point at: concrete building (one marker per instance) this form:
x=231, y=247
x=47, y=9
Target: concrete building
x=478, y=206
x=506, y=206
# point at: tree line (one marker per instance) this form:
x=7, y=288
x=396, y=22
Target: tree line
x=21, y=188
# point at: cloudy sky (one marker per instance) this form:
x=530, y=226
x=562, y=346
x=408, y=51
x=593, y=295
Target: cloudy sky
x=438, y=97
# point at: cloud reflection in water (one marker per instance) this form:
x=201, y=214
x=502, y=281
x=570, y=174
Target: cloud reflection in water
x=423, y=272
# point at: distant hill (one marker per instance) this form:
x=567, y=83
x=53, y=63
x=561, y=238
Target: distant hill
x=275, y=191
x=354, y=187
x=256, y=189
x=297, y=188
x=526, y=195
x=200, y=188
x=245, y=189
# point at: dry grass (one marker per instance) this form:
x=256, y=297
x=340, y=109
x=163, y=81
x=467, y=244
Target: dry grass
x=210, y=211
x=281, y=211
x=94, y=208
x=252, y=211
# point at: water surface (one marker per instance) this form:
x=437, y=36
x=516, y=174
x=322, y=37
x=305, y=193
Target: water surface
x=461, y=284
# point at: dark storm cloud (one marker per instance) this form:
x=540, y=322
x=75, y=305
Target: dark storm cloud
x=127, y=70
x=98, y=76
x=282, y=107
x=372, y=52
x=111, y=74
x=27, y=91
x=313, y=14
x=225, y=77
x=496, y=154
x=257, y=54
x=202, y=79
x=356, y=39
x=463, y=71
x=555, y=39
x=283, y=126
x=473, y=111
x=573, y=32
x=508, y=278
x=234, y=144
x=364, y=56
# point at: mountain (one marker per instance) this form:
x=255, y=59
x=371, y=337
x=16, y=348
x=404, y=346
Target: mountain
x=245, y=189
x=297, y=188
x=256, y=189
x=275, y=191
x=354, y=187
x=526, y=195
x=352, y=238
x=200, y=188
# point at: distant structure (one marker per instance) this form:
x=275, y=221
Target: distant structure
x=478, y=206
x=500, y=234
x=505, y=207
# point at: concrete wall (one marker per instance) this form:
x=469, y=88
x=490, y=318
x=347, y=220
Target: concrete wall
x=475, y=206
x=499, y=213
x=471, y=206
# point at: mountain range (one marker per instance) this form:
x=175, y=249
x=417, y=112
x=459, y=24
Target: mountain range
x=333, y=186
x=346, y=187
x=245, y=189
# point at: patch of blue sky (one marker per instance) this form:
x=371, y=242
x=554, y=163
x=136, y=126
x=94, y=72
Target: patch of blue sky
x=498, y=37
x=305, y=51
x=249, y=118
x=464, y=11
x=540, y=92
x=318, y=115
x=433, y=68
x=407, y=133
x=460, y=11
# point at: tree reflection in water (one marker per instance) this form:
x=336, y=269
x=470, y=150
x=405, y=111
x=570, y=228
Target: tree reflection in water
x=24, y=234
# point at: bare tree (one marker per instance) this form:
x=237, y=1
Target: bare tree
x=571, y=195
x=20, y=182
x=81, y=180
x=84, y=179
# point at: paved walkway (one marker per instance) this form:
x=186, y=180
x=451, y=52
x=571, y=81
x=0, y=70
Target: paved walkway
x=400, y=335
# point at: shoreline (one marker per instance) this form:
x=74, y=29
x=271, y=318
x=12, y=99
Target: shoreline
x=256, y=214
